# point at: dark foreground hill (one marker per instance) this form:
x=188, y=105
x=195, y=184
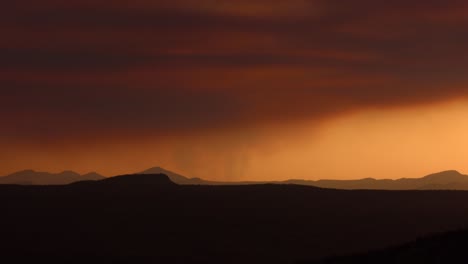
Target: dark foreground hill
x=451, y=247
x=149, y=219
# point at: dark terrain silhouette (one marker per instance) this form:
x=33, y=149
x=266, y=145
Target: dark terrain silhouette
x=451, y=247
x=447, y=180
x=150, y=219
x=31, y=177
x=177, y=178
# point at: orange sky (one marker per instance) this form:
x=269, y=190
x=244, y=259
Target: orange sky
x=379, y=143
x=235, y=90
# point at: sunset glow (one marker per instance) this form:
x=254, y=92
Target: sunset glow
x=378, y=143
x=235, y=90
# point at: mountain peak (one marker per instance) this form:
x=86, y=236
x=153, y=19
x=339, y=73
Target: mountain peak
x=93, y=176
x=154, y=170
x=449, y=175
x=69, y=172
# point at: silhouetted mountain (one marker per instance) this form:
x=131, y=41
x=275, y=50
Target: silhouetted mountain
x=30, y=177
x=447, y=180
x=149, y=219
x=138, y=182
x=177, y=178
x=450, y=247
x=445, y=176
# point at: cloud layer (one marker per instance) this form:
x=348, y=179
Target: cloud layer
x=71, y=69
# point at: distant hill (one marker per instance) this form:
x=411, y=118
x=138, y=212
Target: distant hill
x=447, y=180
x=31, y=177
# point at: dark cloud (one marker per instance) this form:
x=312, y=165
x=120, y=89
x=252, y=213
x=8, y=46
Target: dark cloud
x=55, y=113
x=158, y=67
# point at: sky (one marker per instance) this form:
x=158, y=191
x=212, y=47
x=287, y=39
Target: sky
x=235, y=90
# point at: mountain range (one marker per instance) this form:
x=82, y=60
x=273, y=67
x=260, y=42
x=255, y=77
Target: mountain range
x=446, y=180
x=31, y=177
